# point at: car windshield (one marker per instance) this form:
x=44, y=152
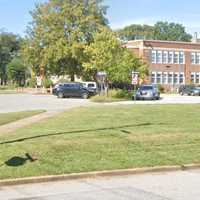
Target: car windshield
x=91, y=85
x=146, y=88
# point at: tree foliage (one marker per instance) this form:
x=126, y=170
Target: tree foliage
x=107, y=54
x=59, y=32
x=9, y=47
x=171, y=31
x=17, y=71
x=160, y=31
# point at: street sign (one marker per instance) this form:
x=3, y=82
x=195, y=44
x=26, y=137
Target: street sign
x=135, y=78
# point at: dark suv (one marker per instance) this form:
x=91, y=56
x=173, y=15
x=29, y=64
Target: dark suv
x=71, y=90
x=189, y=90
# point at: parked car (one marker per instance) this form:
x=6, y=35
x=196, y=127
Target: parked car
x=91, y=87
x=189, y=90
x=71, y=90
x=147, y=92
x=54, y=91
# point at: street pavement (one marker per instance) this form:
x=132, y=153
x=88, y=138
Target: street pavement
x=22, y=102
x=179, y=185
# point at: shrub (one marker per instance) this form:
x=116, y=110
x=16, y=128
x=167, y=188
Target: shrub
x=47, y=82
x=32, y=83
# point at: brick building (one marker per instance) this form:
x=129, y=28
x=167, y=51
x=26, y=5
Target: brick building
x=170, y=63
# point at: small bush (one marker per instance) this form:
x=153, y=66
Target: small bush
x=32, y=83
x=161, y=88
x=113, y=95
x=47, y=82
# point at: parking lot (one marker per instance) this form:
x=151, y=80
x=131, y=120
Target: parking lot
x=21, y=102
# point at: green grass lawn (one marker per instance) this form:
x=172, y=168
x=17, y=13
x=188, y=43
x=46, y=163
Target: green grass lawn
x=6, y=118
x=104, y=138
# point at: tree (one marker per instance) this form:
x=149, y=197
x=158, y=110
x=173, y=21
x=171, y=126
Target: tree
x=107, y=54
x=17, y=72
x=9, y=48
x=171, y=31
x=59, y=32
x=160, y=31
x=136, y=31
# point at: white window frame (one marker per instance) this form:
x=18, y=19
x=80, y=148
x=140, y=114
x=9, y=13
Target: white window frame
x=159, y=73
x=172, y=59
x=165, y=57
x=163, y=80
x=197, y=61
x=197, y=74
x=157, y=57
x=194, y=74
x=155, y=77
x=193, y=58
x=154, y=52
x=182, y=54
x=176, y=56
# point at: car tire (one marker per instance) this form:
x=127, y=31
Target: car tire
x=60, y=95
x=85, y=96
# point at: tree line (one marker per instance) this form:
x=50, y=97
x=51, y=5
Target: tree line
x=73, y=38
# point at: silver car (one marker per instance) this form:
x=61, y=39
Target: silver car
x=147, y=92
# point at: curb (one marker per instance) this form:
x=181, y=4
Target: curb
x=75, y=176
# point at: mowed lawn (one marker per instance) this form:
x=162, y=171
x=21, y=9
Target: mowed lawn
x=6, y=118
x=104, y=138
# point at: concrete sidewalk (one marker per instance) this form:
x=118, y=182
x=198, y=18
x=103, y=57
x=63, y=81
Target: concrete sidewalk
x=13, y=126
x=179, y=185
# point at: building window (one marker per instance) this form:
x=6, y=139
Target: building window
x=165, y=78
x=181, y=58
x=170, y=78
x=159, y=57
x=176, y=57
x=153, y=56
x=181, y=78
x=171, y=57
x=165, y=57
x=192, y=78
x=176, y=79
x=193, y=59
x=198, y=58
x=153, y=77
x=159, y=78
x=197, y=78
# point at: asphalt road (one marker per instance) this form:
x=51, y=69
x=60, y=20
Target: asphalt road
x=21, y=102
x=180, y=185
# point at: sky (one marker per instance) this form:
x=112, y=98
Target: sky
x=14, y=14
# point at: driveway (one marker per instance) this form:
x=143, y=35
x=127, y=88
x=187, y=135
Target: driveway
x=22, y=102
x=180, y=185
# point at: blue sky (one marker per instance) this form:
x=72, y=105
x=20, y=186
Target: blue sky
x=14, y=14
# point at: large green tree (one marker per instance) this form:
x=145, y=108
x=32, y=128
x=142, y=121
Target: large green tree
x=160, y=31
x=17, y=71
x=136, y=31
x=9, y=48
x=171, y=31
x=107, y=54
x=59, y=32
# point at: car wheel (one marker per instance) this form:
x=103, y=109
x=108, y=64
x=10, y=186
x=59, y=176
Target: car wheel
x=85, y=96
x=60, y=95
x=192, y=94
x=181, y=94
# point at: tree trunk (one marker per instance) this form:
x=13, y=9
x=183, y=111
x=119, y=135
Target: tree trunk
x=72, y=77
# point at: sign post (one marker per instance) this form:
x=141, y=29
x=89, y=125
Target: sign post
x=135, y=76
x=101, y=77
